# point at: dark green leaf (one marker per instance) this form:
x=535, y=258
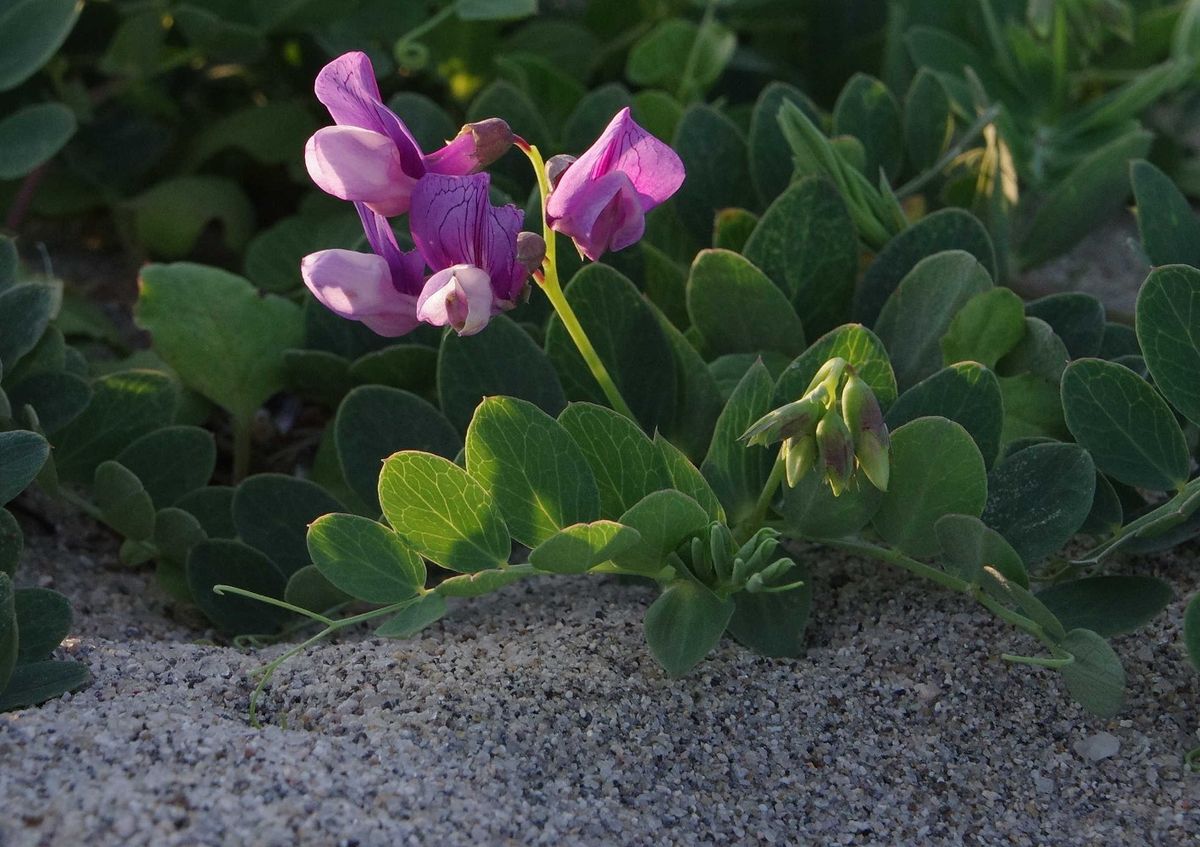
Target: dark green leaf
x=773, y=624
x=374, y=422
x=811, y=509
x=1168, y=329
x=502, y=359
x=58, y=397
x=123, y=501
x=948, y=229
x=8, y=630
x=854, y=343
x=680, y=56
x=212, y=506
x=1170, y=230
x=25, y=311
x=1039, y=498
x=1107, y=605
x=936, y=470
x=412, y=619
x=928, y=125
x=1095, y=679
x=30, y=33
x=272, y=513
x=443, y=513
x=1076, y=318
x=686, y=478
x=629, y=341
x=592, y=114
x=365, y=559
x=11, y=542
x=37, y=682
x=309, y=589
x=22, y=454
x=737, y=472
x=626, y=464
x=1191, y=630
x=494, y=10
x=219, y=561
x=966, y=393
x=684, y=624
x=737, y=309
x=1124, y=423
x=664, y=520
x=43, y=621
x=868, y=111
x=986, y=328
x=535, y=472
x=770, y=155
x=171, y=461
x=170, y=217
x=718, y=176
x=968, y=546
x=32, y=136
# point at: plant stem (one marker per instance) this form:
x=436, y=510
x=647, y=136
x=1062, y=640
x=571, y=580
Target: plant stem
x=553, y=288
x=759, y=516
x=243, y=426
x=428, y=26
x=689, y=66
x=82, y=504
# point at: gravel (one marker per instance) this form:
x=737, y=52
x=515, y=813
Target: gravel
x=536, y=716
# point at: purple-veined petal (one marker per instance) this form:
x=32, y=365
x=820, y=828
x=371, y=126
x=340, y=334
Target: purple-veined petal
x=347, y=88
x=459, y=297
x=358, y=164
x=653, y=168
x=358, y=286
x=454, y=223
x=407, y=268
x=602, y=215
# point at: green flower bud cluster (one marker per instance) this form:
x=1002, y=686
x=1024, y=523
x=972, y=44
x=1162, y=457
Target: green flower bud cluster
x=720, y=563
x=837, y=426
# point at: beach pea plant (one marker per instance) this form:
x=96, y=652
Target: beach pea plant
x=960, y=436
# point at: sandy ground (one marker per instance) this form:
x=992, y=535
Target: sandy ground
x=536, y=716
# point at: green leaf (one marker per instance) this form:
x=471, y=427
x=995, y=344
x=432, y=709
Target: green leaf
x=501, y=360
x=920, y=311
x=812, y=511
x=948, y=229
x=37, y=682
x=966, y=393
x=733, y=229
x=806, y=242
x=22, y=454
x=1170, y=230
x=1123, y=422
x=171, y=461
x=1191, y=630
x=25, y=312
x=220, y=561
x=771, y=163
x=318, y=376
x=773, y=624
x=625, y=463
x=374, y=422
x=272, y=513
x=494, y=10
x=737, y=472
x=32, y=136
x=12, y=542
x=412, y=619
x=365, y=559
x=658, y=112
x=985, y=329
x=1168, y=330
x=936, y=470
x=58, y=397
x=217, y=332
x=867, y=110
x=8, y=630
x=718, y=175
x=169, y=217
x=309, y=589
x=43, y=621
x=216, y=34
x=212, y=506
x=1039, y=352
x=664, y=520
x=483, y=582
x=176, y=532
x=592, y=114
x=269, y=133
x=582, y=546
x=1075, y=317
x=1107, y=605
x=928, y=124
x=686, y=478
x=1040, y=497
x=1096, y=678
x=852, y=342
x=1087, y=196
x=535, y=472
x=412, y=367
x=629, y=341
x=555, y=92
x=737, y=309
x=273, y=256
x=123, y=502
x=968, y=546
x=684, y=624
x=699, y=399
x=31, y=31
x=680, y=56
x=442, y=512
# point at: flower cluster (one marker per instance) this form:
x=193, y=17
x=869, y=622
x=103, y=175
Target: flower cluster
x=471, y=260
x=836, y=425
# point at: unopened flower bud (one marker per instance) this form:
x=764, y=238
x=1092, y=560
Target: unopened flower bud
x=794, y=419
x=836, y=450
x=799, y=457
x=556, y=166
x=492, y=138
x=864, y=418
x=829, y=375
x=531, y=250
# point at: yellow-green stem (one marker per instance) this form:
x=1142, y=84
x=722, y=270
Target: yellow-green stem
x=553, y=288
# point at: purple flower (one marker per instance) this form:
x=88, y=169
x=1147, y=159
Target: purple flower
x=480, y=263
x=370, y=156
x=380, y=288
x=601, y=199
